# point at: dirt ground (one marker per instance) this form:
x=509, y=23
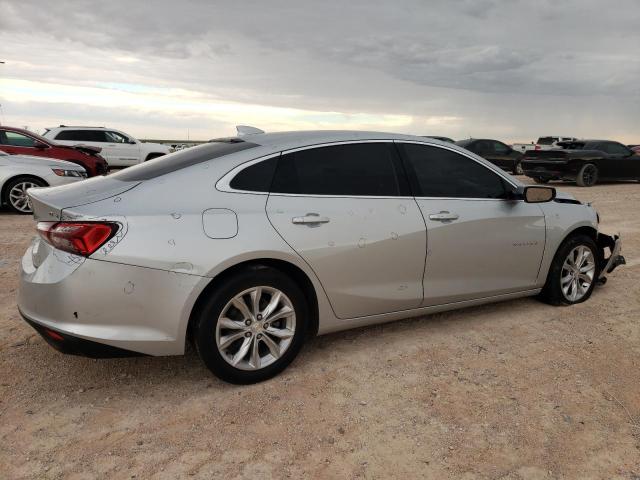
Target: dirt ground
x=516, y=390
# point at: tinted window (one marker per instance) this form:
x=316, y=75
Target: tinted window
x=361, y=169
x=182, y=159
x=82, y=135
x=615, y=148
x=546, y=140
x=255, y=178
x=500, y=147
x=17, y=140
x=115, y=137
x=437, y=172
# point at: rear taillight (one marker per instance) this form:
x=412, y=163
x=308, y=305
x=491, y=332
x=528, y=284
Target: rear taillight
x=537, y=147
x=79, y=238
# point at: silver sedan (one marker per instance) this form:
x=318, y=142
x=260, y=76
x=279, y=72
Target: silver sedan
x=246, y=246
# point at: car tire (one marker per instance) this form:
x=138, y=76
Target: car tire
x=587, y=176
x=517, y=169
x=15, y=194
x=541, y=180
x=244, y=345
x=572, y=275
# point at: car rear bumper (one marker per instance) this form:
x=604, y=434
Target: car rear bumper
x=136, y=309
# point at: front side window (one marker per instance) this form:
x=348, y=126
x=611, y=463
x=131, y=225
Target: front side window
x=17, y=140
x=438, y=172
x=115, y=137
x=614, y=148
x=359, y=169
x=500, y=148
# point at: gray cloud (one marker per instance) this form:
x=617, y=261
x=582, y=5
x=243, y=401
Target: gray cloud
x=505, y=68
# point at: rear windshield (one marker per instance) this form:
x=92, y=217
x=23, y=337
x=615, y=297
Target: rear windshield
x=182, y=159
x=546, y=140
x=464, y=143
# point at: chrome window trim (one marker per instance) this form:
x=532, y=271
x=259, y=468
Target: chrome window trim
x=223, y=185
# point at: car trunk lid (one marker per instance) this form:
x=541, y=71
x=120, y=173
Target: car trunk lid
x=48, y=203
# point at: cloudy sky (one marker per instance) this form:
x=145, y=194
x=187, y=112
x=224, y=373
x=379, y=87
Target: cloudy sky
x=506, y=69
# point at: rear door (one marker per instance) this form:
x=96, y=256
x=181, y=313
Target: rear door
x=479, y=243
x=347, y=211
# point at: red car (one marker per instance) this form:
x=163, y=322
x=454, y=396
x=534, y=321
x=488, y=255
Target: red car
x=16, y=141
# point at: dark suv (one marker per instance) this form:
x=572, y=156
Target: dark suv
x=496, y=152
x=16, y=141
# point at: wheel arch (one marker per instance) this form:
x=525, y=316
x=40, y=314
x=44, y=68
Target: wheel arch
x=152, y=155
x=3, y=190
x=288, y=268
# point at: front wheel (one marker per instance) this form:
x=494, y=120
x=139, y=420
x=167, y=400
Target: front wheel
x=16, y=194
x=517, y=169
x=252, y=326
x=587, y=176
x=573, y=272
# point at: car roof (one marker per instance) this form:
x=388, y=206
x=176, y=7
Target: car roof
x=288, y=140
x=62, y=127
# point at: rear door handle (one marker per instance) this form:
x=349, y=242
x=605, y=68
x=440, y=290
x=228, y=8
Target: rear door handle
x=444, y=216
x=310, y=219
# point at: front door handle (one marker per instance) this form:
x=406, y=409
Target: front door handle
x=310, y=219
x=444, y=216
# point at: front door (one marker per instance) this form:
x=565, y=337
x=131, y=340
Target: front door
x=479, y=243
x=346, y=210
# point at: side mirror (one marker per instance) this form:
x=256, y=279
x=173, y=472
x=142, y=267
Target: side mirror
x=40, y=145
x=132, y=142
x=535, y=194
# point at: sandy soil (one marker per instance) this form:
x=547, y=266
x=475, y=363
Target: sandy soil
x=517, y=390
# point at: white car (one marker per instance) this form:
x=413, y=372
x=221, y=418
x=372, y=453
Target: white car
x=18, y=173
x=119, y=149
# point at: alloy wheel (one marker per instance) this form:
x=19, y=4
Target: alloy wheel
x=255, y=328
x=577, y=273
x=589, y=175
x=18, y=196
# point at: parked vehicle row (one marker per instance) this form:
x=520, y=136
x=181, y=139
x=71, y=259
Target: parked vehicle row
x=17, y=141
x=287, y=235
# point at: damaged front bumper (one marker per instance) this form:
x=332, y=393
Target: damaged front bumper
x=612, y=243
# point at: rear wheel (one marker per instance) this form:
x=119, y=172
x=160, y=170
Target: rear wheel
x=573, y=272
x=517, y=169
x=16, y=194
x=587, y=176
x=540, y=180
x=252, y=326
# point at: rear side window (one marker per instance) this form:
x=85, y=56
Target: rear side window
x=615, y=148
x=181, y=159
x=256, y=177
x=82, y=135
x=359, y=169
x=438, y=172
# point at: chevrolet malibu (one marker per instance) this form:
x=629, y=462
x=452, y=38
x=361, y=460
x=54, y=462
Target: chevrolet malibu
x=247, y=246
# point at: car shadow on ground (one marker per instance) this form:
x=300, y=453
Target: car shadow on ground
x=125, y=377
